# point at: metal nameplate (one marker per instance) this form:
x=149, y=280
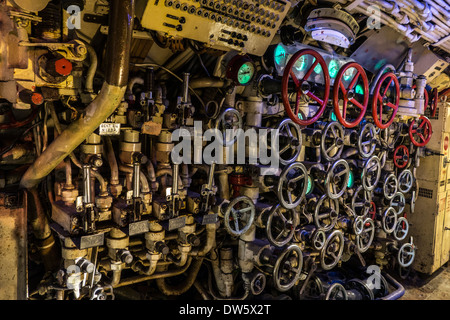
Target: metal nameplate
x=91, y=241
x=139, y=227
x=109, y=129
x=207, y=219
x=174, y=223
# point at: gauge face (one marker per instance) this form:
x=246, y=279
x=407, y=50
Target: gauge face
x=245, y=73
x=318, y=68
x=241, y=70
x=310, y=184
x=359, y=89
x=301, y=63
x=333, y=116
x=280, y=56
x=333, y=68
x=350, y=179
x=348, y=74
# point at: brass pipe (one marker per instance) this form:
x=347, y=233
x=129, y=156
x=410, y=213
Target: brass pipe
x=156, y=275
x=183, y=287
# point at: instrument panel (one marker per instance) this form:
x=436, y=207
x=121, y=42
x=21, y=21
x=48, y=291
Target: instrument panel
x=245, y=26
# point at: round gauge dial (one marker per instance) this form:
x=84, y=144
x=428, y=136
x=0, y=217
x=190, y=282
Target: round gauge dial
x=241, y=70
x=280, y=56
x=333, y=68
x=245, y=73
x=349, y=73
x=301, y=63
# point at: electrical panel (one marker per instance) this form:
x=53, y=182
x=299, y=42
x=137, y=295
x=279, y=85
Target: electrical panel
x=244, y=26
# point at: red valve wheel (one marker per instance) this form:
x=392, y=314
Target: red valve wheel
x=380, y=100
x=401, y=156
x=302, y=87
x=434, y=102
x=372, y=210
x=422, y=130
x=349, y=95
x=425, y=95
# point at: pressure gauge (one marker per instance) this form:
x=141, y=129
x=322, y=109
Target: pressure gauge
x=241, y=70
x=280, y=56
x=333, y=68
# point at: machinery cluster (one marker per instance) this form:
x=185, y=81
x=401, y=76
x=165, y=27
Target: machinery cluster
x=88, y=137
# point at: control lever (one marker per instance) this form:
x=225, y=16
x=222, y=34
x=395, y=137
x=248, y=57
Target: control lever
x=138, y=159
x=208, y=189
x=174, y=197
x=88, y=212
x=312, y=269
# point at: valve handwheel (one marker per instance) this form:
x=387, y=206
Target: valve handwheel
x=288, y=268
x=239, y=215
x=401, y=156
x=303, y=87
x=422, y=130
x=280, y=225
x=381, y=100
x=349, y=95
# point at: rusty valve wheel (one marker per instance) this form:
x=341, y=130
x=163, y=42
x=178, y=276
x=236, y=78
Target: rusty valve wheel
x=288, y=268
x=304, y=87
x=350, y=118
x=381, y=100
x=239, y=215
x=280, y=226
x=292, y=185
x=420, y=132
x=401, y=156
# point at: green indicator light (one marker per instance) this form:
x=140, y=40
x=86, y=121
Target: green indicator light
x=245, y=73
x=351, y=180
x=333, y=68
x=380, y=63
x=349, y=73
x=359, y=89
x=280, y=55
x=300, y=116
x=308, y=189
x=318, y=68
x=301, y=63
x=333, y=116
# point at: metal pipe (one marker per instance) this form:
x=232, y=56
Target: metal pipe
x=183, y=287
x=399, y=289
x=112, y=161
x=156, y=275
x=109, y=98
